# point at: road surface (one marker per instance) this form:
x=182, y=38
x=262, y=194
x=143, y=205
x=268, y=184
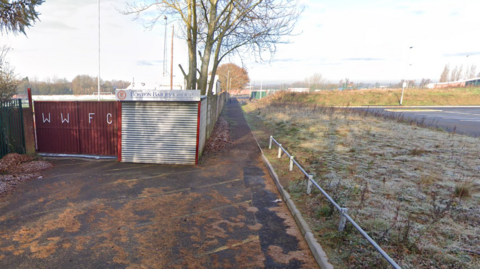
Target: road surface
x=463, y=120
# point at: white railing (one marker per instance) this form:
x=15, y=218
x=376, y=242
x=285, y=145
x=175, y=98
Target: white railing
x=343, y=211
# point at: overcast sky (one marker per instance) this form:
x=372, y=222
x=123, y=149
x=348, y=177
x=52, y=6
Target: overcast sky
x=364, y=40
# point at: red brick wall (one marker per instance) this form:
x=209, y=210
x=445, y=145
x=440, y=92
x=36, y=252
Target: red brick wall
x=29, y=131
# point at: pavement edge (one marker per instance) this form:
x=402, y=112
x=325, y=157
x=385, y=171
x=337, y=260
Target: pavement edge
x=316, y=249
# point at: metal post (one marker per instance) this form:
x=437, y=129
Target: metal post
x=279, y=151
x=343, y=219
x=98, y=50
x=405, y=78
x=30, y=101
x=22, y=130
x=228, y=79
x=309, y=184
x=165, y=50
x=171, y=62
x=270, y=144
x=291, y=163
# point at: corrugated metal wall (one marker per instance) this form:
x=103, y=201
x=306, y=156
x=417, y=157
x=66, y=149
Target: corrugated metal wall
x=98, y=128
x=159, y=132
x=76, y=127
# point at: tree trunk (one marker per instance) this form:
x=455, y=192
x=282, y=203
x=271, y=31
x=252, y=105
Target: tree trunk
x=192, y=46
x=212, y=17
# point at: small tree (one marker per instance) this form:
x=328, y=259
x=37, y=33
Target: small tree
x=16, y=15
x=472, y=71
x=453, y=74
x=315, y=81
x=424, y=82
x=445, y=73
x=459, y=73
x=233, y=76
x=8, y=79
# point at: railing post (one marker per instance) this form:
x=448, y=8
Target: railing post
x=343, y=219
x=291, y=163
x=270, y=143
x=309, y=184
x=279, y=151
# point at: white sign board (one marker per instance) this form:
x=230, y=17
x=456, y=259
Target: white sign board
x=157, y=95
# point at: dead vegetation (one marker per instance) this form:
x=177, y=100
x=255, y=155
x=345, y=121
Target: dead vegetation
x=416, y=191
x=220, y=136
x=15, y=168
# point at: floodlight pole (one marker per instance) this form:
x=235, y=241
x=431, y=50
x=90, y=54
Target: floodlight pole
x=405, y=77
x=98, y=2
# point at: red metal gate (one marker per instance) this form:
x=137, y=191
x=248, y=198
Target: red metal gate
x=76, y=127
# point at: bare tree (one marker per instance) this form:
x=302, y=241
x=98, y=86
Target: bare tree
x=17, y=15
x=233, y=76
x=453, y=74
x=219, y=28
x=472, y=71
x=8, y=79
x=424, y=82
x=445, y=73
x=315, y=81
x=459, y=73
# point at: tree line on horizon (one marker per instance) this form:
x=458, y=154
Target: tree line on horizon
x=81, y=84
x=458, y=73
x=318, y=82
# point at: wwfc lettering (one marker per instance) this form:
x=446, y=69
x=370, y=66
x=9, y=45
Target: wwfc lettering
x=66, y=119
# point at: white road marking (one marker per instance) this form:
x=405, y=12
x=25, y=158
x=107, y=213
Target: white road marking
x=461, y=113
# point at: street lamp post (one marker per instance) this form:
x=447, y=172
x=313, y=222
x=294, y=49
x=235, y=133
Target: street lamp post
x=405, y=77
x=228, y=79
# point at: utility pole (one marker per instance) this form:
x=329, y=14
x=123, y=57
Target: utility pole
x=405, y=77
x=165, y=50
x=171, y=63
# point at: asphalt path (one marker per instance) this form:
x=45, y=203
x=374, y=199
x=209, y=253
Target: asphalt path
x=463, y=120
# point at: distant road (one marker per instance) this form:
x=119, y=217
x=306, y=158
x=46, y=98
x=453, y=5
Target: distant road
x=464, y=120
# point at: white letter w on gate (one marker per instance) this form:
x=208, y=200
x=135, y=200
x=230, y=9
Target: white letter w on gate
x=65, y=120
x=47, y=119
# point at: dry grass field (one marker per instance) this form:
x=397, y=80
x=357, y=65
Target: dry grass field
x=416, y=191
x=412, y=97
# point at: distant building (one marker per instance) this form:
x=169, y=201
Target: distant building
x=299, y=89
x=452, y=84
x=20, y=96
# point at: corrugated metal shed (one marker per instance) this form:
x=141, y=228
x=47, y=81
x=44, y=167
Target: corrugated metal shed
x=159, y=132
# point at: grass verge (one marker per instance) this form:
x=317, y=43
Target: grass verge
x=414, y=190
x=390, y=97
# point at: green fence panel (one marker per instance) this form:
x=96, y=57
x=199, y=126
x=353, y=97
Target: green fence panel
x=12, y=133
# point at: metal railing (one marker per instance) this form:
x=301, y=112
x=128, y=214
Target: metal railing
x=12, y=134
x=343, y=211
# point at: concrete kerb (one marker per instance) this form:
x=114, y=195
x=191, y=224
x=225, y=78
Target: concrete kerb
x=315, y=248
